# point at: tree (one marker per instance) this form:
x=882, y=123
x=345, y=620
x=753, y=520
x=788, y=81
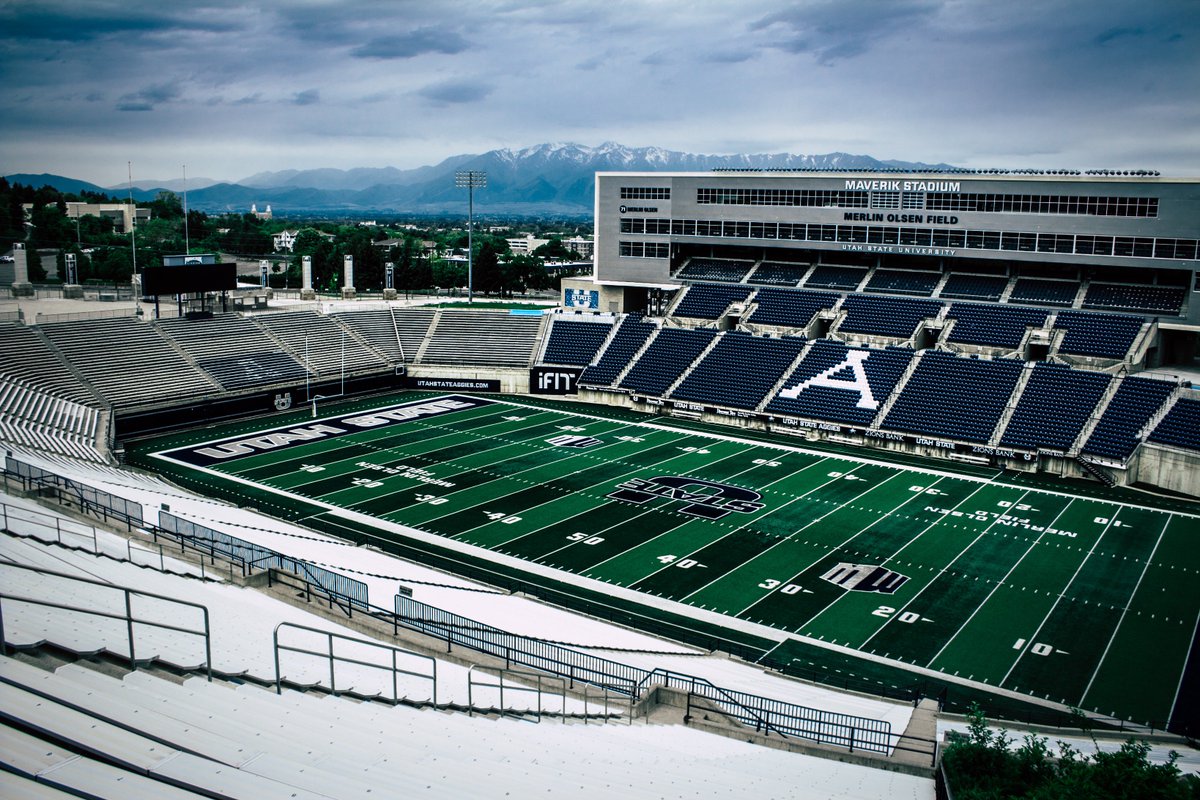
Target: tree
x=488, y=278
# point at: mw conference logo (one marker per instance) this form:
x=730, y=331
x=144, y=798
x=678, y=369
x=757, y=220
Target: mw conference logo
x=706, y=499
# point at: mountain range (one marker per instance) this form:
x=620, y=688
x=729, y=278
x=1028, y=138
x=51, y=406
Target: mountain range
x=546, y=179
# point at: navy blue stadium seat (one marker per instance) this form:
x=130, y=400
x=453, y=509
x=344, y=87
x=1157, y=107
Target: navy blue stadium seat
x=1093, y=334
x=671, y=352
x=714, y=269
x=903, y=281
x=827, y=276
x=1044, y=292
x=629, y=338
x=974, y=287
x=998, y=325
x=792, y=308
x=1135, y=401
x=954, y=397
x=776, y=273
x=575, y=342
x=886, y=316
x=739, y=370
x=1181, y=426
x=709, y=301
x=834, y=397
x=1055, y=404
x=1142, y=299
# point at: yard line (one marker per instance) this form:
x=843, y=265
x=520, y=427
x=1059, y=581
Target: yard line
x=750, y=468
x=1183, y=671
x=1128, y=603
x=942, y=571
x=1062, y=594
x=408, y=487
x=583, y=491
x=500, y=443
x=378, y=445
x=999, y=583
x=814, y=521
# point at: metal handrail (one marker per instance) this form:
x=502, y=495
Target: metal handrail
x=533, y=677
x=128, y=617
x=330, y=637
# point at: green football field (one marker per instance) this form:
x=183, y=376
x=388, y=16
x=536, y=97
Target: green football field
x=1090, y=603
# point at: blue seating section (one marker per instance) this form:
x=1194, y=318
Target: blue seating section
x=1092, y=334
x=902, y=281
x=1131, y=407
x=882, y=367
x=953, y=397
x=827, y=276
x=886, y=316
x=1143, y=299
x=998, y=326
x=574, y=342
x=776, y=273
x=628, y=339
x=715, y=269
x=1044, y=292
x=671, y=352
x=793, y=308
x=974, y=287
x=1055, y=404
x=739, y=370
x=709, y=301
x=1181, y=426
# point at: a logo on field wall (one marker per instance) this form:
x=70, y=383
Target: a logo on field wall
x=569, y=440
x=706, y=499
x=864, y=578
x=853, y=362
x=283, y=401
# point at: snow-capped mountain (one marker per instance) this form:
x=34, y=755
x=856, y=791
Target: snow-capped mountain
x=550, y=178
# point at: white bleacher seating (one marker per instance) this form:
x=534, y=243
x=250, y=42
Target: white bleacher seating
x=320, y=343
x=485, y=338
x=130, y=363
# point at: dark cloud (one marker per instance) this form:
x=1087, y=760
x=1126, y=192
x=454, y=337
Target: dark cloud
x=455, y=92
x=306, y=98
x=83, y=22
x=833, y=30
x=412, y=44
x=148, y=98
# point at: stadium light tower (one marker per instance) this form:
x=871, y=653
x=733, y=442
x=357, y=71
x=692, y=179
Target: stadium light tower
x=470, y=179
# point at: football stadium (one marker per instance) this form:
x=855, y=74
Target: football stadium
x=917, y=441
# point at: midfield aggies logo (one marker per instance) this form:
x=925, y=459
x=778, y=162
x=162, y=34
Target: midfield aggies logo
x=705, y=499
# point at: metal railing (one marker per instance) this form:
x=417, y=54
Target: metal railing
x=128, y=617
x=760, y=713
x=526, y=683
x=329, y=638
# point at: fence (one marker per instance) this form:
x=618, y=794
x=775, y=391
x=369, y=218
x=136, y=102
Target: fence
x=348, y=592
x=329, y=639
x=127, y=616
x=761, y=713
x=90, y=500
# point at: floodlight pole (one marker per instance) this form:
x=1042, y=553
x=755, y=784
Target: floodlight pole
x=470, y=179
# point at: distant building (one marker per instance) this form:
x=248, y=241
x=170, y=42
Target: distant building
x=285, y=240
x=585, y=247
x=525, y=245
x=122, y=214
x=260, y=214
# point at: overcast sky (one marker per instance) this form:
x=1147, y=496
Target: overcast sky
x=231, y=89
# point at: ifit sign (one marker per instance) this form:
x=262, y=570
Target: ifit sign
x=553, y=380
